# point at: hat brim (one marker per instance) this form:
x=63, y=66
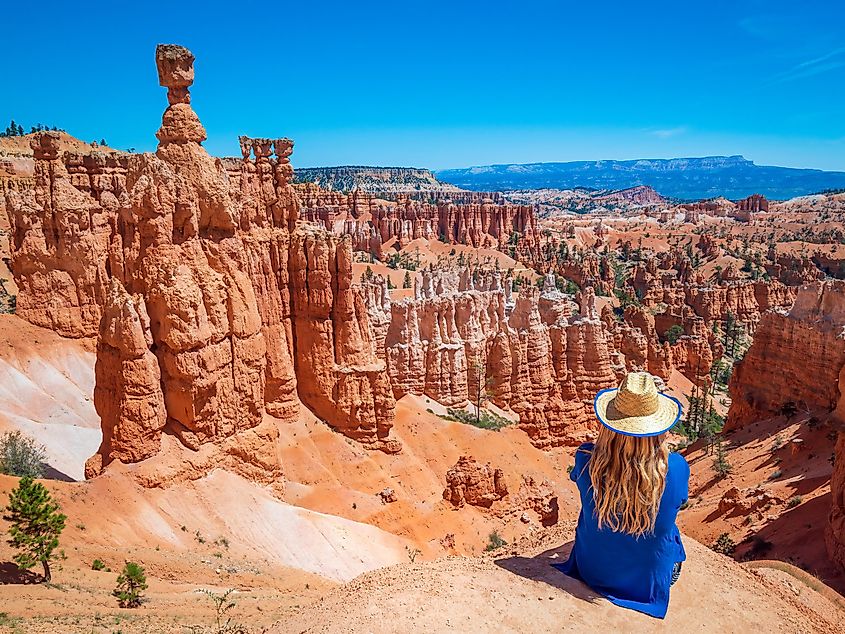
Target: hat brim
x=668, y=413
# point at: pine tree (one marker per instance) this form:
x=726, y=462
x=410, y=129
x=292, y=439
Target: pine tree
x=130, y=585
x=35, y=524
x=721, y=466
x=482, y=387
x=406, y=283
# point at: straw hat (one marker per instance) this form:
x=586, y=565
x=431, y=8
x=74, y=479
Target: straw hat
x=636, y=408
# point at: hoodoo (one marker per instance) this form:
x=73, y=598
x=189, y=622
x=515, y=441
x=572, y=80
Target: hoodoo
x=211, y=304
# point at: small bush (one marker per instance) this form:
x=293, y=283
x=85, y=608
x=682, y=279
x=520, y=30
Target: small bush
x=130, y=585
x=412, y=553
x=98, y=564
x=21, y=456
x=222, y=605
x=673, y=334
x=788, y=409
x=794, y=501
x=759, y=546
x=724, y=544
x=486, y=420
x=9, y=621
x=494, y=542
x=776, y=474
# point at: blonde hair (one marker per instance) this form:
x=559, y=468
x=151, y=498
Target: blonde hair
x=628, y=474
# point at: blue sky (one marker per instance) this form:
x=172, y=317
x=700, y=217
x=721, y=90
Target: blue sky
x=447, y=84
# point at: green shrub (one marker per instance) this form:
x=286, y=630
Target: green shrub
x=21, y=456
x=673, y=334
x=412, y=553
x=776, y=474
x=130, y=585
x=486, y=419
x=724, y=544
x=98, y=564
x=494, y=542
x=222, y=605
x=794, y=501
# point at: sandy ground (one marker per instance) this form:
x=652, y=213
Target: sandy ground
x=328, y=473
x=517, y=590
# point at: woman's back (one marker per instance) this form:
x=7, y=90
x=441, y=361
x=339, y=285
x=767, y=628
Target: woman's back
x=631, y=571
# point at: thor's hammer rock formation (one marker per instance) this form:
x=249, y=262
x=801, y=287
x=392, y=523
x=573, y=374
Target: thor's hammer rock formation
x=208, y=299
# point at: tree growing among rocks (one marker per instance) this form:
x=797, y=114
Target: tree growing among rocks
x=482, y=387
x=674, y=333
x=35, y=525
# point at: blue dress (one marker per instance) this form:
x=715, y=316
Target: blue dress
x=632, y=572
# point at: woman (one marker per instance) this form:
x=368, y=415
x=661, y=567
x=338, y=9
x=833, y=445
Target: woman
x=627, y=546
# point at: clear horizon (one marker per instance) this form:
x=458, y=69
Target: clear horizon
x=449, y=85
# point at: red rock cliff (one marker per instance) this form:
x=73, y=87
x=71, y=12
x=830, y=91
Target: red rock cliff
x=835, y=533
x=796, y=357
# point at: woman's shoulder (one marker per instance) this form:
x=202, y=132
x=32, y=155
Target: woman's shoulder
x=678, y=465
x=584, y=451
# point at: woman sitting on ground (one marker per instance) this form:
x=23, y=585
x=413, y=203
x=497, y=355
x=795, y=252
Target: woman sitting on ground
x=627, y=546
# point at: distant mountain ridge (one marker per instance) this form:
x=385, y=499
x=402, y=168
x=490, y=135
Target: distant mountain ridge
x=372, y=179
x=683, y=178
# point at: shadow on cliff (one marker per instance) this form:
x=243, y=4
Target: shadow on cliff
x=51, y=473
x=539, y=568
x=796, y=537
x=11, y=574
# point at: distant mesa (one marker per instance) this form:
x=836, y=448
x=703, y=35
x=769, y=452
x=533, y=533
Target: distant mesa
x=734, y=177
x=374, y=180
